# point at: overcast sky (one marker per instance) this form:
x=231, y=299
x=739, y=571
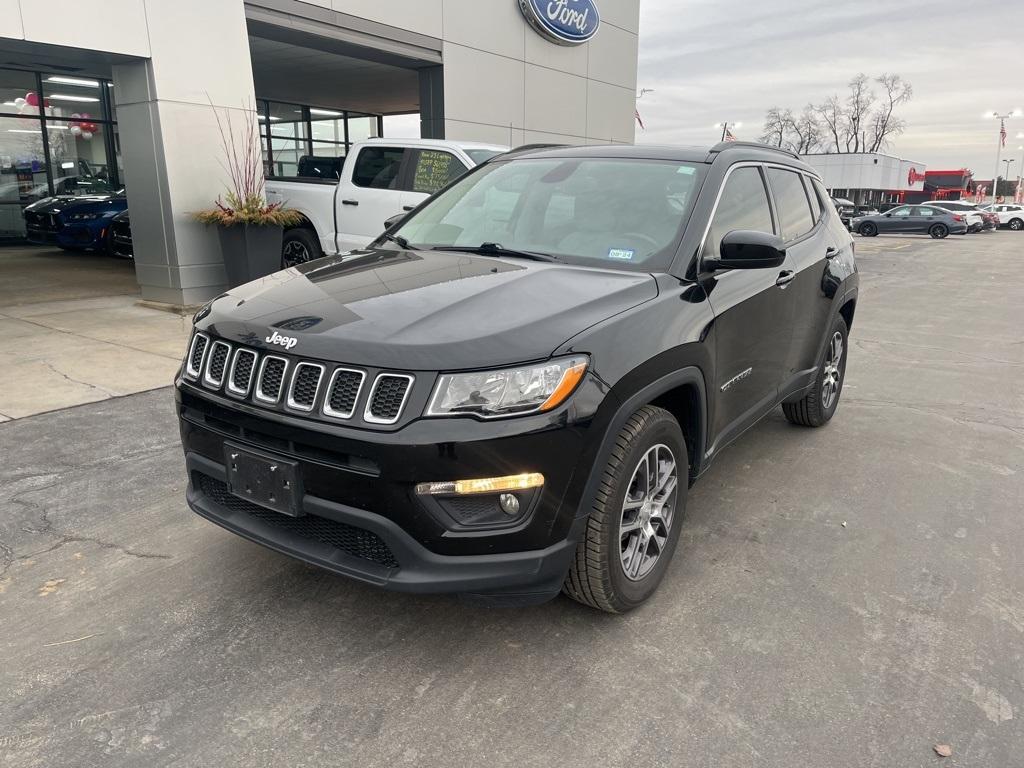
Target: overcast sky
x=715, y=60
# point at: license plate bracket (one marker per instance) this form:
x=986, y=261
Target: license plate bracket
x=262, y=478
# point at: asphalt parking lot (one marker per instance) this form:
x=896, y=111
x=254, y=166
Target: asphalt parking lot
x=849, y=596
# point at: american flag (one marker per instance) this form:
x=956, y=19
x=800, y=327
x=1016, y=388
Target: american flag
x=1002, y=132
x=729, y=136
x=637, y=112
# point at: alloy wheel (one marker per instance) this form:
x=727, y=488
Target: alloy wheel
x=295, y=253
x=833, y=371
x=647, y=512
x=1017, y=224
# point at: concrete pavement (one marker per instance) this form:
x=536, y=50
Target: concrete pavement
x=75, y=334
x=134, y=634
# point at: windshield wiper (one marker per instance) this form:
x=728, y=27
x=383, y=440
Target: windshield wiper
x=495, y=249
x=401, y=241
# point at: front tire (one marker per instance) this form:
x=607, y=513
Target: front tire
x=299, y=246
x=868, y=230
x=817, y=407
x=634, y=523
x=939, y=231
x=1016, y=224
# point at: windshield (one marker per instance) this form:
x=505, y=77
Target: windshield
x=481, y=155
x=601, y=211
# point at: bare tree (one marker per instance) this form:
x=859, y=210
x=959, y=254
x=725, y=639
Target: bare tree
x=776, y=122
x=859, y=104
x=804, y=130
x=885, y=125
x=833, y=121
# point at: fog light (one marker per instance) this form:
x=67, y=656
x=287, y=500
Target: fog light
x=509, y=504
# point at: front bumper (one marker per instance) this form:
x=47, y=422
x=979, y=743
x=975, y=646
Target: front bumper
x=362, y=517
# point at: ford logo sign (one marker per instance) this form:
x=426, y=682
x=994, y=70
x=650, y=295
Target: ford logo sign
x=566, y=22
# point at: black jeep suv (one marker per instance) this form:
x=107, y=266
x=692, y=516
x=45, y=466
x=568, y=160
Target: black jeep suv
x=510, y=391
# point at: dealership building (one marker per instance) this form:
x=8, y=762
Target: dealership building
x=100, y=94
x=869, y=178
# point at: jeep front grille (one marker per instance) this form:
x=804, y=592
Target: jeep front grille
x=195, y=355
x=387, y=398
x=268, y=386
x=217, y=362
x=241, y=372
x=321, y=390
x=343, y=392
x=305, y=385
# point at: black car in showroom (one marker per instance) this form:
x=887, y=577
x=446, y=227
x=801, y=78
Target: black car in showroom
x=73, y=222
x=119, y=236
x=509, y=393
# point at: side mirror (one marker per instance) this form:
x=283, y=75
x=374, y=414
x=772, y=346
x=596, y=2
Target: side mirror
x=747, y=249
x=394, y=221
x=888, y=215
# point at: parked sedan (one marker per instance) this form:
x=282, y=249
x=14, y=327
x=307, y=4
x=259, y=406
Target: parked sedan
x=973, y=215
x=905, y=219
x=73, y=222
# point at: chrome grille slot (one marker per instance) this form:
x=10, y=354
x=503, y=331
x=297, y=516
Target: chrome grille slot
x=305, y=385
x=216, y=363
x=343, y=392
x=271, y=378
x=196, y=354
x=387, y=398
x=242, y=367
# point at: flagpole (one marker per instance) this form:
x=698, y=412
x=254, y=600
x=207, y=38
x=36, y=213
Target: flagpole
x=999, y=147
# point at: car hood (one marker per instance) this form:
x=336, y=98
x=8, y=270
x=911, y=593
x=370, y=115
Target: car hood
x=69, y=202
x=415, y=310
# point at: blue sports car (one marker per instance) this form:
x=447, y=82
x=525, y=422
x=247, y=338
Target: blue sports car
x=74, y=222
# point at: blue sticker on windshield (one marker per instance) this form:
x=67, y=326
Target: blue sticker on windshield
x=625, y=254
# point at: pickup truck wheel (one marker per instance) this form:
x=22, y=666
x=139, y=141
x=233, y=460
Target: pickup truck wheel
x=1016, y=224
x=817, y=406
x=635, y=519
x=298, y=247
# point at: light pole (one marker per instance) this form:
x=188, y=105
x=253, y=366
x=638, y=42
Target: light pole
x=1000, y=140
x=727, y=127
x=1020, y=174
x=1007, y=163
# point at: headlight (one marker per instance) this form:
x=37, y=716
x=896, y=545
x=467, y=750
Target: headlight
x=508, y=392
x=83, y=216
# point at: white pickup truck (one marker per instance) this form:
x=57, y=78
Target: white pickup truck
x=344, y=202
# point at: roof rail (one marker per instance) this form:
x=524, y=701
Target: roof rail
x=724, y=145
x=525, y=148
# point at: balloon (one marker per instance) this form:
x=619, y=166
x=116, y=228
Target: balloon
x=20, y=102
x=32, y=98
x=87, y=135
x=76, y=130
x=75, y=115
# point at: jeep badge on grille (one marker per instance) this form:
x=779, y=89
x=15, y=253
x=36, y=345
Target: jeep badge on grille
x=285, y=341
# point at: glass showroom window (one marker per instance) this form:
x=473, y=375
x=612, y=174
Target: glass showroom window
x=22, y=172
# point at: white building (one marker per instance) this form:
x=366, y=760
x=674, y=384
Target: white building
x=868, y=178
x=321, y=74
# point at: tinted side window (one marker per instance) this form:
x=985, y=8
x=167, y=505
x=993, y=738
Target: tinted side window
x=743, y=205
x=378, y=167
x=904, y=211
x=815, y=203
x=794, y=210
x=434, y=169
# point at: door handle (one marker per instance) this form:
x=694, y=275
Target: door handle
x=831, y=253
x=785, y=278
x=350, y=202
x=408, y=207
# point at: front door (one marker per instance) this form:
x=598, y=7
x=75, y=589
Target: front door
x=753, y=313
x=896, y=220
x=373, y=194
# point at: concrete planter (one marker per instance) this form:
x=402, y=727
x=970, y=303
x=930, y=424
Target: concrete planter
x=250, y=251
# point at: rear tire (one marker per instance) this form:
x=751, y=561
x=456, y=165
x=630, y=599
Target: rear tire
x=636, y=515
x=867, y=230
x=1016, y=224
x=939, y=231
x=299, y=246
x=817, y=407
